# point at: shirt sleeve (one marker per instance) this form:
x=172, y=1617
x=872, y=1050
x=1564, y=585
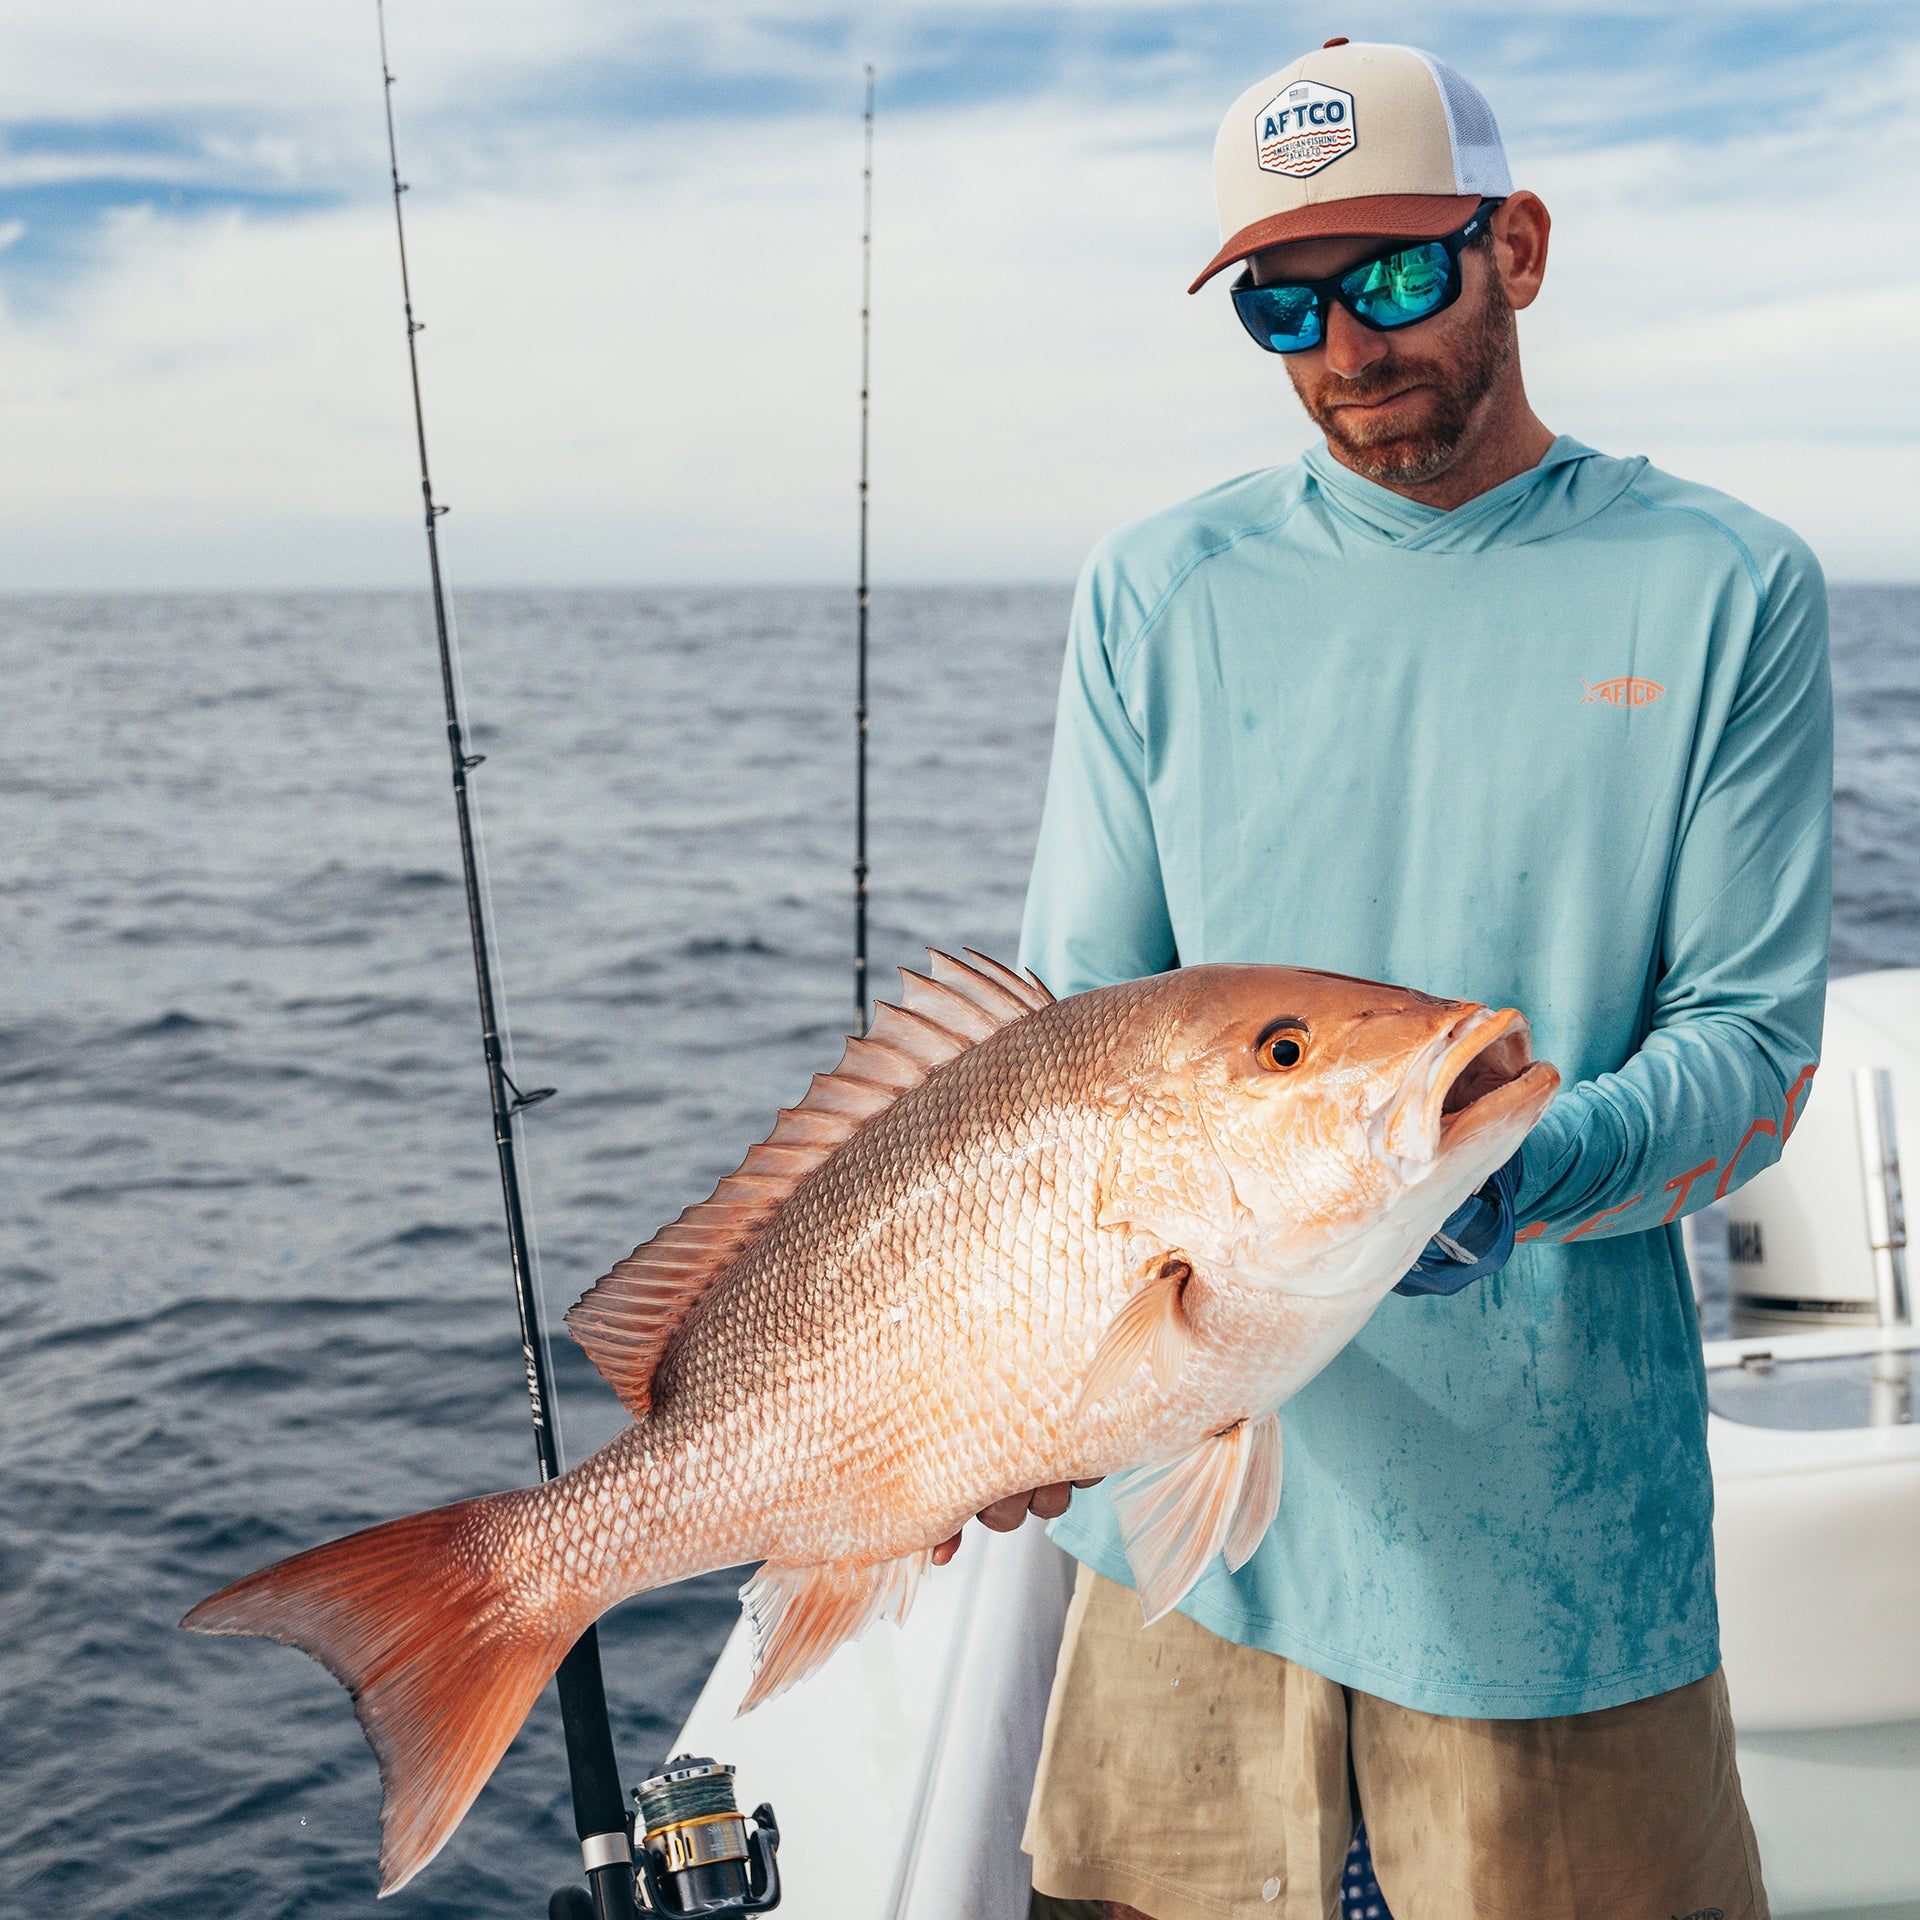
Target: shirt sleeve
x=1740, y=988
x=1096, y=910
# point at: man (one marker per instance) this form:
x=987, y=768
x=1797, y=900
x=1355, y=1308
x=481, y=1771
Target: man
x=1454, y=703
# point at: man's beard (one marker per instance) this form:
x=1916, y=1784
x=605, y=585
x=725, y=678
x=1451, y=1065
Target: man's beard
x=1397, y=454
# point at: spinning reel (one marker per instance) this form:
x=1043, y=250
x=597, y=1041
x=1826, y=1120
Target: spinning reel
x=694, y=1855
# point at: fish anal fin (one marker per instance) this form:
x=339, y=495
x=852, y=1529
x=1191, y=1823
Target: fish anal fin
x=1259, y=1495
x=627, y=1318
x=1175, y=1517
x=1151, y=1327
x=798, y=1616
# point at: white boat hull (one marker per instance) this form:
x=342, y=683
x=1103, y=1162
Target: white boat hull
x=1817, y=1545
x=901, y=1771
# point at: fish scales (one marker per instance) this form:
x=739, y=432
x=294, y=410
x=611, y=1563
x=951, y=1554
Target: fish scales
x=910, y=1324
x=1009, y=1242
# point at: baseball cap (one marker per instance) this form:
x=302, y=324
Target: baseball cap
x=1355, y=139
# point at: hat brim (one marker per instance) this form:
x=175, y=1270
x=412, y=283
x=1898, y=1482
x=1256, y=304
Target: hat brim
x=1375, y=216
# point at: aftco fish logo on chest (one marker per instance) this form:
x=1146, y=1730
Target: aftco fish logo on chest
x=1304, y=129
x=1622, y=692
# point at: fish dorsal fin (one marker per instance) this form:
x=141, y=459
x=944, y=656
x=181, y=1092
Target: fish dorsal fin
x=1023, y=988
x=625, y=1319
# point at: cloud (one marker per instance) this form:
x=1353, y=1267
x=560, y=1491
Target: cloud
x=636, y=244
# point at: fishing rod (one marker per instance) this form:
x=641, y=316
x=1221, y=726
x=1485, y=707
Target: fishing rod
x=599, y=1813
x=860, y=704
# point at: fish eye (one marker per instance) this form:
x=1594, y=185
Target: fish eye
x=1283, y=1046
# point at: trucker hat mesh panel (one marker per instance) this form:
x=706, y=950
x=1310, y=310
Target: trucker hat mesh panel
x=1477, y=150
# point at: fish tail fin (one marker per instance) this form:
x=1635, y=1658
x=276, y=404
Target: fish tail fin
x=441, y=1644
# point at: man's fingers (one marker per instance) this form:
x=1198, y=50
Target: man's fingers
x=1044, y=1503
x=1004, y=1515
x=946, y=1550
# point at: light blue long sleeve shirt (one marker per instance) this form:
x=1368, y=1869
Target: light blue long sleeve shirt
x=1566, y=748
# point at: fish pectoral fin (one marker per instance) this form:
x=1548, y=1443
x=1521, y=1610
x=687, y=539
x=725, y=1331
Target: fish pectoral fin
x=797, y=1616
x=1259, y=1493
x=1176, y=1517
x=1150, y=1327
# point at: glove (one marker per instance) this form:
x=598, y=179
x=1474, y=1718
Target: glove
x=1476, y=1241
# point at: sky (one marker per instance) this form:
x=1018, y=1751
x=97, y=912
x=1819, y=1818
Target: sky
x=635, y=238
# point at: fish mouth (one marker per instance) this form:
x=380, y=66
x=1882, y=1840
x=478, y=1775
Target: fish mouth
x=1476, y=1076
x=1492, y=1079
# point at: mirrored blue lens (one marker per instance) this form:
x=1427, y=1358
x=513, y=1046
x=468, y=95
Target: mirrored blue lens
x=1281, y=319
x=1401, y=288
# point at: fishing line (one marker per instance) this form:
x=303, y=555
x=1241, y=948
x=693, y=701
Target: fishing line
x=599, y=1809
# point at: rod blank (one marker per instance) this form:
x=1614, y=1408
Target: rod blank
x=860, y=698
x=598, y=1806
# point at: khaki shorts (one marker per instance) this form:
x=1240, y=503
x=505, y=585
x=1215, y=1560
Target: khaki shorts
x=1196, y=1780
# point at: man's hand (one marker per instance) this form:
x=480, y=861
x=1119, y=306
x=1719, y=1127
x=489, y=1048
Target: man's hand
x=1477, y=1240
x=1044, y=1503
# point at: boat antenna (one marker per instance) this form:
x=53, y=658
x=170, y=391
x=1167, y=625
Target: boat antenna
x=598, y=1810
x=860, y=703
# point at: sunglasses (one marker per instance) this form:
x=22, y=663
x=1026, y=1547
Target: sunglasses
x=1393, y=289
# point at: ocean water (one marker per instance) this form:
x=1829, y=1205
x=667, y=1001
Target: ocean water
x=252, y=1280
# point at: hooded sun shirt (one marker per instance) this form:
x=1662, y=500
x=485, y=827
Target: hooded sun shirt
x=1566, y=748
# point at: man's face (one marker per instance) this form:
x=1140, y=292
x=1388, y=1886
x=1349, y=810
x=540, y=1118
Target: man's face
x=1397, y=406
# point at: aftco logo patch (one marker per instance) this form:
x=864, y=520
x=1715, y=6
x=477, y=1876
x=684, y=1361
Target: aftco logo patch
x=1304, y=129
